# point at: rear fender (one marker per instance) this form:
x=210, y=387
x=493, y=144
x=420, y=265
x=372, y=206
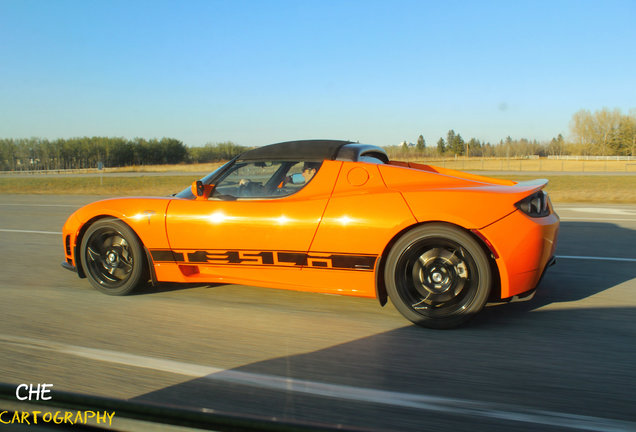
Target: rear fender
x=380, y=286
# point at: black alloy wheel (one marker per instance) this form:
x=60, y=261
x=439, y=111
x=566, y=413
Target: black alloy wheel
x=438, y=276
x=112, y=257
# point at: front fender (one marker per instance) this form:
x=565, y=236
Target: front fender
x=146, y=216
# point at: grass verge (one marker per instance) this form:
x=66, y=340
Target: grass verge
x=109, y=185
x=587, y=189
x=562, y=188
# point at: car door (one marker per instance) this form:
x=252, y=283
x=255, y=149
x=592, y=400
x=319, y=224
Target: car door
x=258, y=224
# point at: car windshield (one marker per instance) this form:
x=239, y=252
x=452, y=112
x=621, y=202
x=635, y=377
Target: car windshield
x=187, y=192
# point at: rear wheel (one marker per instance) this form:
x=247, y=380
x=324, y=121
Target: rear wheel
x=113, y=258
x=438, y=276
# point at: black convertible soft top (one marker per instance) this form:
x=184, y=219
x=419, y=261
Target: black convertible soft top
x=317, y=150
x=313, y=150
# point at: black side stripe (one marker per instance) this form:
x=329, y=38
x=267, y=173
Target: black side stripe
x=325, y=260
x=165, y=256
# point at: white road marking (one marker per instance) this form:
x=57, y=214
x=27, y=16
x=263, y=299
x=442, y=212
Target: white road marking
x=37, y=205
x=566, y=218
x=30, y=231
x=453, y=406
x=596, y=258
x=600, y=210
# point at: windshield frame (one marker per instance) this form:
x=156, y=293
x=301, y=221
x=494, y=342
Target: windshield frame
x=208, y=179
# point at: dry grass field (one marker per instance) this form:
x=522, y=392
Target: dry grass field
x=460, y=163
x=112, y=185
x=179, y=168
x=540, y=164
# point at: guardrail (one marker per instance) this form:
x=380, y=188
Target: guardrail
x=53, y=171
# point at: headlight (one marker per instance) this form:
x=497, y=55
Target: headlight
x=536, y=205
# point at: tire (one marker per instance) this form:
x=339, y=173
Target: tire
x=438, y=276
x=113, y=258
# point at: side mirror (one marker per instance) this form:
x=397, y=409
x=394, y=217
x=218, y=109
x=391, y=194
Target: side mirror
x=297, y=179
x=201, y=191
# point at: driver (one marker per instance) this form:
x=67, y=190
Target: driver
x=310, y=169
x=308, y=172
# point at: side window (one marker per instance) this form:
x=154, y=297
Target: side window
x=297, y=177
x=371, y=158
x=263, y=180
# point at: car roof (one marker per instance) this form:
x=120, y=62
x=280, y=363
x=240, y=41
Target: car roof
x=314, y=150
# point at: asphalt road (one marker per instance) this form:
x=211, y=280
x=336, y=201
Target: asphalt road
x=563, y=361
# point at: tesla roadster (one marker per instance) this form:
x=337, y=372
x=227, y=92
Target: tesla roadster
x=330, y=217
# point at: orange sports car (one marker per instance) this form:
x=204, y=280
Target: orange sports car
x=330, y=217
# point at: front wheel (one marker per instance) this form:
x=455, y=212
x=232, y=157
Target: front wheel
x=113, y=258
x=438, y=276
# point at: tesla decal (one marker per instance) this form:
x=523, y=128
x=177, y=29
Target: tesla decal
x=268, y=258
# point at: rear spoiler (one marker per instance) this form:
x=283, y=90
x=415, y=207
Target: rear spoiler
x=453, y=173
x=531, y=185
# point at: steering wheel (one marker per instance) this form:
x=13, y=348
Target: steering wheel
x=250, y=189
x=242, y=189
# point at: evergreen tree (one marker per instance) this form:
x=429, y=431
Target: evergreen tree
x=441, y=146
x=421, y=144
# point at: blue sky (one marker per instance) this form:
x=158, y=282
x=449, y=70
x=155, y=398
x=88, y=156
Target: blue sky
x=257, y=72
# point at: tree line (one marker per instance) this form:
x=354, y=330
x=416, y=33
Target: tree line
x=88, y=152
x=604, y=132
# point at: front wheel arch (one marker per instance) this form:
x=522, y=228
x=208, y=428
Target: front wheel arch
x=145, y=259
x=78, y=242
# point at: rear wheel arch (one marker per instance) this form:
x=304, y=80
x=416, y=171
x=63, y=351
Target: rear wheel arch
x=381, y=266
x=380, y=287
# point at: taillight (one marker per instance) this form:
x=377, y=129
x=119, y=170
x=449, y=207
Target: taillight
x=536, y=205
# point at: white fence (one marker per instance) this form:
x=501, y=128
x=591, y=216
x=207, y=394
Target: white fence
x=594, y=158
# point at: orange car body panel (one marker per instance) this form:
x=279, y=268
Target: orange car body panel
x=146, y=216
x=363, y=215
x=523, y=245
x=330, y=236
x=524, y=249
